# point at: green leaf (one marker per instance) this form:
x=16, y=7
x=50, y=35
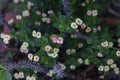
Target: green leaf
x=3, y=75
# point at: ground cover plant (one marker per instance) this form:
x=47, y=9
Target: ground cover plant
x=58, y=40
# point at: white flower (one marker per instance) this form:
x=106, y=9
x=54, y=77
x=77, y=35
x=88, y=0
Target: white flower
x=11, y=21
x=73, y=51
x=74, y=25
x=24, y=50
x=25, y=44
x=99, y=28
x=110, y=44
x=29, y=4
x=28, y=78
x=50, y=11
x=34, y=33
x=2, y=35
x=44, y=19
x=118, y=53
x=94, y=12
x=54, y=55
x=49, y=54
x=113, y=65
x=44, y=14
x=63, y=66
x=7, y=37
x=104, y=44
x=16, y=1
x=100, y=68
x=22, y=0
x=5, y=41
x=89, y=12
x=78, y=21
x=88, y=29
x=68, y=51
x=72, y=67
x=21, y=74
x=118, y=40
x=87, y=61
x=37, y=23
x=116, y=70
x=18, y=17
x=30, y=56
x=80, y=61
x=25, y=13
x=83, y=26
x=35, y=71
x=106, y=68
x=94, y=29
x=80, y=45
x=38, y=12
x=50, y=73
x=38, y=35
x=110, y=61
x=48, y=48
x=99, y=54
x=36, y=58
x=33, y=78
x=55, y=50
x=16, y=76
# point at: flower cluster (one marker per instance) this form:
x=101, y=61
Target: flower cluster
x=19, y=75
x=56, y=39
x=36, y=34
x=5, y=38
x=24, y=47
x=77, y=22
x=107, y=44
x=110, y=65
x=92, y=12
x=30, y=78
x=52, y=52
x=34, y=58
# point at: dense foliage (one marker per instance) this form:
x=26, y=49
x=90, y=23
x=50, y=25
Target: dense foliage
x=55, y=38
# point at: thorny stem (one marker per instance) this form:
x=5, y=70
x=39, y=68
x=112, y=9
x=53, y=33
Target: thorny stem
x=10, y=65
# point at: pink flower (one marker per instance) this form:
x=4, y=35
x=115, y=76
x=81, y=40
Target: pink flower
x=48, y=20
x=60, y=40
x=89, y=12
x=54, y=39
